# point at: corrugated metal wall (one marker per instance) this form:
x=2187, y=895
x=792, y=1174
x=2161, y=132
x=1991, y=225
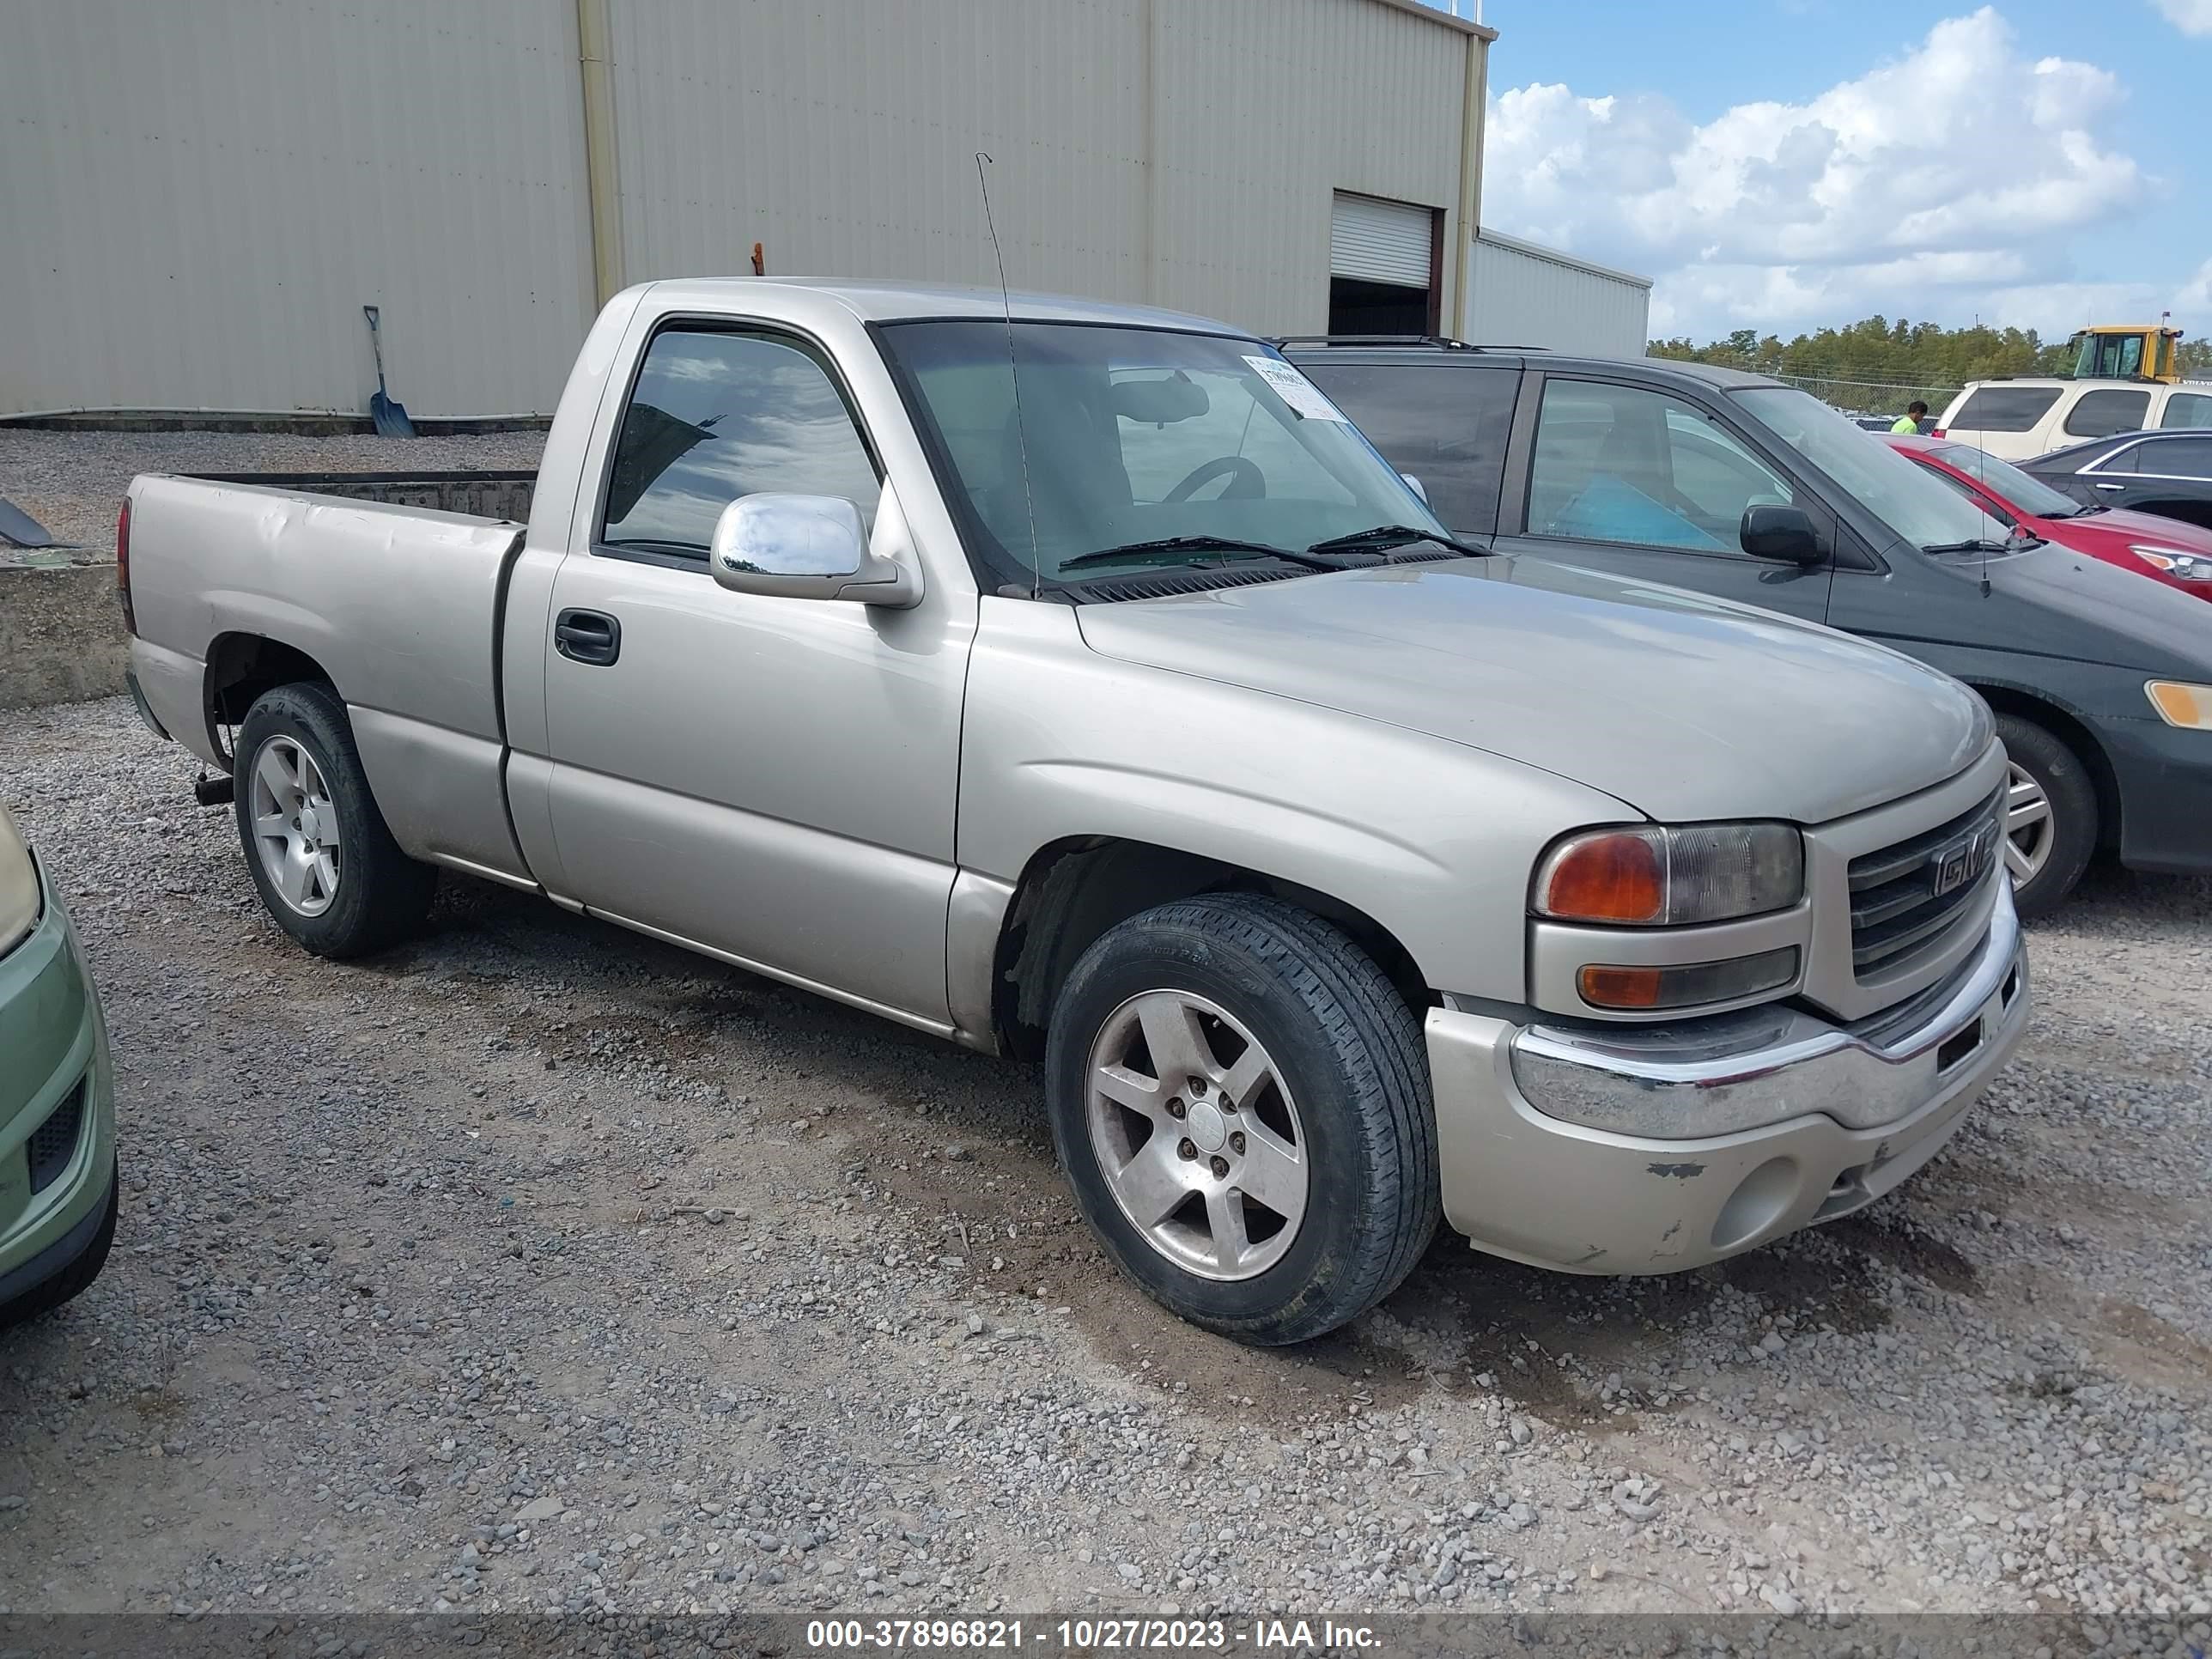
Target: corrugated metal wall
x=842, y=138
x=1179, y=152
x=196, y=199
x=1524, y=295
x=1266, y=108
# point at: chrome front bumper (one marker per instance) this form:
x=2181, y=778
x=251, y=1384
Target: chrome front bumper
x=1649, y=1149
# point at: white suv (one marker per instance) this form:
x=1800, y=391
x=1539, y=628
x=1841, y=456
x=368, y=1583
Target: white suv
x=2014, y=419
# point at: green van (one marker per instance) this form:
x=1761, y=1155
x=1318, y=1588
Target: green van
x=58, y=1185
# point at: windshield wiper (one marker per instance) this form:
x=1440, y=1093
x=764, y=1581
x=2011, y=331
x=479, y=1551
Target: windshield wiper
x=1383, y=537
x=1983, y=544
x=1187, y=550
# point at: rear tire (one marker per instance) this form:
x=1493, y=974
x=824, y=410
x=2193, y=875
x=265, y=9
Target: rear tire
x=318, y=850
x=2046, y=854
x=75, y=1279
x=1283, y=1213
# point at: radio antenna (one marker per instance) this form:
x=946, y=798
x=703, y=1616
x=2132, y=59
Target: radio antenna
x=1021, y=432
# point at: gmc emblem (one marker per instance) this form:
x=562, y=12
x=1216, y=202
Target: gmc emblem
x=1964, y=860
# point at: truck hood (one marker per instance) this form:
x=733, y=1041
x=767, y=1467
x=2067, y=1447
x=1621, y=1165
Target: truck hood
x=1683, y=707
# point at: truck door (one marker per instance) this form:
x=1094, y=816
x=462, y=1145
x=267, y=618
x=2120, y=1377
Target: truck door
x=1635, y=481
x=773, y=779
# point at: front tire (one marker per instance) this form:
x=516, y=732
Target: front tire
x=1240, y=1100
x=318, y=850
x=2050, y=816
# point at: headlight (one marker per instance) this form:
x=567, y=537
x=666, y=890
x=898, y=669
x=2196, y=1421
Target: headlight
x=19, y=885
x=1650, y=876
x=2182, y=567
x=2182, y=705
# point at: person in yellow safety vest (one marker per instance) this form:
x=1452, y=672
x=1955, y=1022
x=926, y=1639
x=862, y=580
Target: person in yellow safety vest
x=1915, y=413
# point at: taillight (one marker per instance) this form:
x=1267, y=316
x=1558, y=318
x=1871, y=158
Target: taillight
x=123, y=565
x=1935, y=432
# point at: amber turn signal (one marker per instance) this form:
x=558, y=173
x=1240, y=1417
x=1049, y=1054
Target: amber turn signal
x=1691, y=985
x=1606, y=878
x=2181, y=704
x=1621, y=987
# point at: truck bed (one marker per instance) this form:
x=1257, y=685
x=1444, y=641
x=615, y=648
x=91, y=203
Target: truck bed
x=398, y=605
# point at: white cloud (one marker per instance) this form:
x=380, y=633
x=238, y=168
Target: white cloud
x=1952, y=173
x=2189, y=16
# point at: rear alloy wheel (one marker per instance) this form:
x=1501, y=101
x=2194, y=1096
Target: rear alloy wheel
x=1240, y=1097
x=2050, y=816
x=295, y=826
x=320, y=853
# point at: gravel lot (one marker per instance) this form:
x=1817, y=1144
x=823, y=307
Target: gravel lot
x=540, y=1266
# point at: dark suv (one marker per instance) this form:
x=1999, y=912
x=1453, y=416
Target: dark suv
x=1737, y=486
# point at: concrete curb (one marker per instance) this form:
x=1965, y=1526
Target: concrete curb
x=61, y=633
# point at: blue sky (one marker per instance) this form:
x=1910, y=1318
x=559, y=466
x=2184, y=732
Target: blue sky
x=1783, y=164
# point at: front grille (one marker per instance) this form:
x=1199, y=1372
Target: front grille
x=1907, y=898
x=54, y=1143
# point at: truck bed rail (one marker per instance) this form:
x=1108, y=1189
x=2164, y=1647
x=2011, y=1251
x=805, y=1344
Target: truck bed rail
x=501, y=495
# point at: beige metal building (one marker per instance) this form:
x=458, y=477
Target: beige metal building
x=196, y=201
x=1523, y=293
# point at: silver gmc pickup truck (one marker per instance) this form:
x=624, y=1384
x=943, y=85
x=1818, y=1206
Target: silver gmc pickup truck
x=1074, y=681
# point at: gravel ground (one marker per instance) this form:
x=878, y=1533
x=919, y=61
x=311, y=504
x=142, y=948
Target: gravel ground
x=73, y=481
x=538, y=1265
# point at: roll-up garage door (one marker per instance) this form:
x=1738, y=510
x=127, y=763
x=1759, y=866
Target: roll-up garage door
x=1379, y=241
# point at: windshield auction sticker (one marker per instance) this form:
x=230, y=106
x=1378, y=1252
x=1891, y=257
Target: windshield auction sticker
x=1304, y=397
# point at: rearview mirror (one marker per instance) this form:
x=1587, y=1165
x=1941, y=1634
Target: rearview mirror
x=807, y=546
x=1160, y=403
x=1784, y=534
x=1416, y=486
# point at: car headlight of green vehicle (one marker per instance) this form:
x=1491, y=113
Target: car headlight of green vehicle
x=58, y=1182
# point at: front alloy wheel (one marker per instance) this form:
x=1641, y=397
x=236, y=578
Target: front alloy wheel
x=1197, y=1136
x=2028, y=827
x=2050, y=818
x=1240, y=1097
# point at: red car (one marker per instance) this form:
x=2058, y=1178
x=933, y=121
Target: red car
x=2166, y=549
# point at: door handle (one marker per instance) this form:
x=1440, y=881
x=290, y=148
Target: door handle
x=590, y=637
x=2111, y=486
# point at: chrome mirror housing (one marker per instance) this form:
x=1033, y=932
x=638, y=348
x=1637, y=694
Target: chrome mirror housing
x=808, y=547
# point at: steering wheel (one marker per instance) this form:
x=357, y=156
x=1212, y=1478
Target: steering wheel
x=1245, y=481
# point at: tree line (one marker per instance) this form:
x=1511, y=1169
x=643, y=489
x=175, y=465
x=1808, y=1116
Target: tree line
x=1878, y=364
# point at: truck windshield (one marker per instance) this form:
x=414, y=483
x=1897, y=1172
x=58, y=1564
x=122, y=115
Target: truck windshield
x=1917, y=507
x=1134, y=437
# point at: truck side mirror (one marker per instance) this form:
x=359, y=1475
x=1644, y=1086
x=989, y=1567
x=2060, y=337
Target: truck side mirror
x=1784, y=534
x=1417, y=487
x=807, y=547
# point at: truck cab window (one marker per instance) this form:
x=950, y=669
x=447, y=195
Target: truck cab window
x=715, y=415
x=1618, y=464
